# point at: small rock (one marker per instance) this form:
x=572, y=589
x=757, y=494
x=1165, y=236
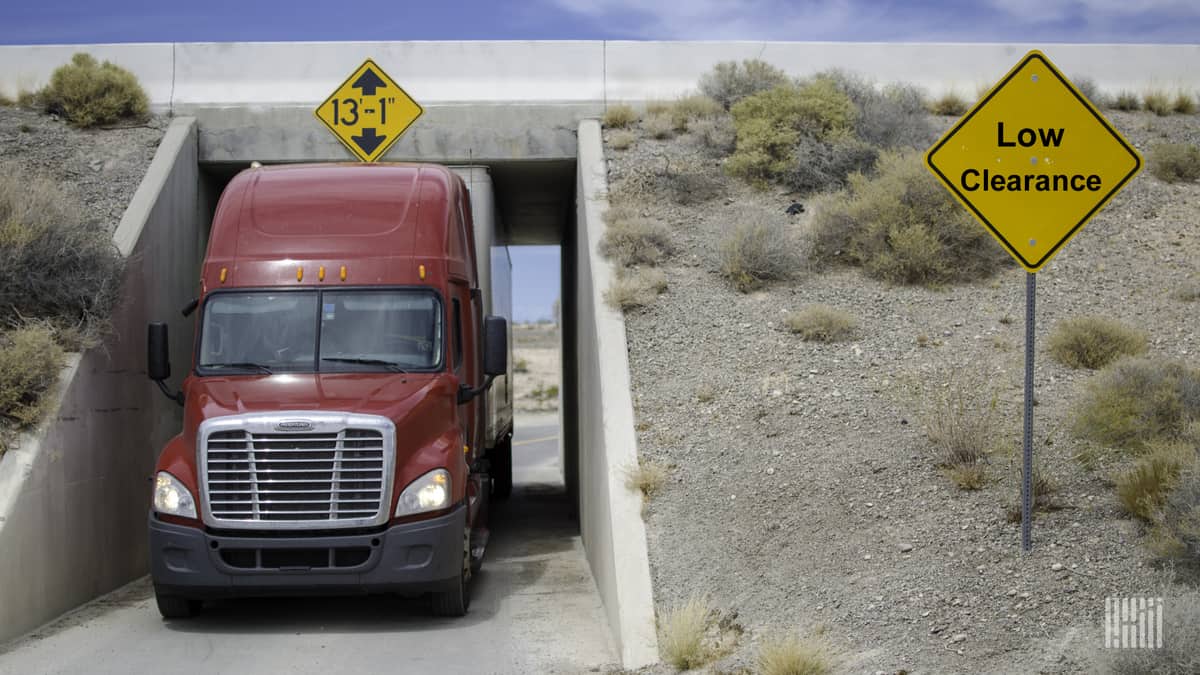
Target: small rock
x=771, y=471
x=906, y=547
x=867, y=556
x=960, y=637
x=1011, y=592
x=1056, y=567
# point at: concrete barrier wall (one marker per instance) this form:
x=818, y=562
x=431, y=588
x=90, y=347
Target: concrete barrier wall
x=609, y=513
x=205, y=75
x=74, y=495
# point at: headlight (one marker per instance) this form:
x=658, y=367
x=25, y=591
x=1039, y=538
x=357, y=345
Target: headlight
x=171, y=497
x=430, y=492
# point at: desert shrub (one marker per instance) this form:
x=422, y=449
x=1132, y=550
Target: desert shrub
x=705, y=393
x=755, y=251
x=1143, y=488
x=690, y=109
x=88, y=93
x=631, y=239
x=1043, y=490
x=1180, y=653
x=791, y=655
x=521, y=366
x=619, y=116
x=1176, y=532
x=1175, y=162
x=1183, y=103
x=646, y=477
x=635, y=289
x=621, y=140
x=6, y=102
x=691, y=184
x=53, y=264
x=1188, y=291
x=903, y=227
x=892, y=117
x=715, y=134
x=1158, y=102
x=770, y=124
x=30, y=360
x=1094, y=342
x=961, y=422
x=949, y=104
x=729, y=81
x=822, y=323
x=1090, y=90
x=658, y=125
x=1139, y=400
x=823, y=164
x=658, y=107
x=682, y=633
x=1127, y=101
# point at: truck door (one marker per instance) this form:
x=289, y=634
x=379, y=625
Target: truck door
x=466, y=362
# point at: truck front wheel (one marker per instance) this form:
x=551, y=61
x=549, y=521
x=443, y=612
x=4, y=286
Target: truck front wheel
x=501, y=468
x=456, y=600
x=175, y=607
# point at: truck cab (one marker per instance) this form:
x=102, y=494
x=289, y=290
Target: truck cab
x=337, y=431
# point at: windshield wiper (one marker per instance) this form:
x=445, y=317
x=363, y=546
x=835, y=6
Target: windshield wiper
x=390, y=365
x=257, y=367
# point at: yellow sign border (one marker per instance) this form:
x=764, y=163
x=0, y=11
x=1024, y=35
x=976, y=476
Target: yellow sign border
x=383, y=149
x=1034, y=266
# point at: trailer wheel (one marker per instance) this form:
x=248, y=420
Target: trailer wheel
x=175, y=607
x=501, y=468
x=456, y=600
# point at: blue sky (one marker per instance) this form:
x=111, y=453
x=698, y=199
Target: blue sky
x=536, y=268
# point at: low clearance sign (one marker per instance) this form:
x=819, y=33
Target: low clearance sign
x=1033, y=161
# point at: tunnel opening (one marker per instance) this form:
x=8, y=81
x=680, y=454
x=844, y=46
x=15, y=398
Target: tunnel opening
x=536, y=202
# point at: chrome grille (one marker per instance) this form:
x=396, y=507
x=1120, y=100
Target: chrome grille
x=320, y=477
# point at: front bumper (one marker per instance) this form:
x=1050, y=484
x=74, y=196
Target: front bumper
x=410, y=558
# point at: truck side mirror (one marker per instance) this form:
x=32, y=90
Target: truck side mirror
x=495, y=346
x=158, y=356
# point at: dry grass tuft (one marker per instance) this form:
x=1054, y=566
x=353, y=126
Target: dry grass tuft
x=715, y=134
x=1093, y=342
x=30, y=360
x=705, y=393
x=646, y=478
x=658, y=125
x=690, y=109
x=1183, y=104
x=1143, y=488
x=1157, y=101
x=962, y=425
x=1127, y=101
x=53, y=264
x=1044, y=490
x=621, y=140
x=1175, y=162
x=631, y=239
x=755, y=251
x=1090, y=90
x=682, y=634
x=619, y=116
x=1137, y=401
x=903, y=227
x=635, y=289
x=88, y=93
x=822, y=323
x=949, y=104
x=791, y=655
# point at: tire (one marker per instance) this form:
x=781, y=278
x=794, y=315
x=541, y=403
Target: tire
x=501, y=468
x=456, y=599
x=175, y=607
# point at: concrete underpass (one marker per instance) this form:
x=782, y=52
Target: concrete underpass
x=556, y=591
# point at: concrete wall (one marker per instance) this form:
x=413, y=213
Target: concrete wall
x=210, y=76
x=609, y=513
x=76, y=492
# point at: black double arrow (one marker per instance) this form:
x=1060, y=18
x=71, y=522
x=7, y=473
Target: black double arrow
x=367, y=83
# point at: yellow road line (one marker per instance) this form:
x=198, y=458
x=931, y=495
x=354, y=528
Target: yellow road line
x=536, y=440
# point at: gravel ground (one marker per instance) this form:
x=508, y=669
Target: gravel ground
x=102, y=168
x=807, y=501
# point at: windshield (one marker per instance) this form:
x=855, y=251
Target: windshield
x=353, y=330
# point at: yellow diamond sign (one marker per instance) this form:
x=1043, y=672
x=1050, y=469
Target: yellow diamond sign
x=1033, y=160
x=368, y=112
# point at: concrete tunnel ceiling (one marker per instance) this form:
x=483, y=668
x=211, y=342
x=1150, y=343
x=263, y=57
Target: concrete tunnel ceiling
x=536, y=198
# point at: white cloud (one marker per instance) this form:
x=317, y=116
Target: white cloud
x=873, y=20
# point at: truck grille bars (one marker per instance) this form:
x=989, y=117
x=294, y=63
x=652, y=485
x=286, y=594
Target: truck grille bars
x=290, y=473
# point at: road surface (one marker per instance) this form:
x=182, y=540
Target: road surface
x=534, y=610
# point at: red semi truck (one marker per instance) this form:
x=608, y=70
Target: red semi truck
x=348, y=412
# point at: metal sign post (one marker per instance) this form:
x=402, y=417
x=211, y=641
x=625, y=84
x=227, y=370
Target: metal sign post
x=1027, y=459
